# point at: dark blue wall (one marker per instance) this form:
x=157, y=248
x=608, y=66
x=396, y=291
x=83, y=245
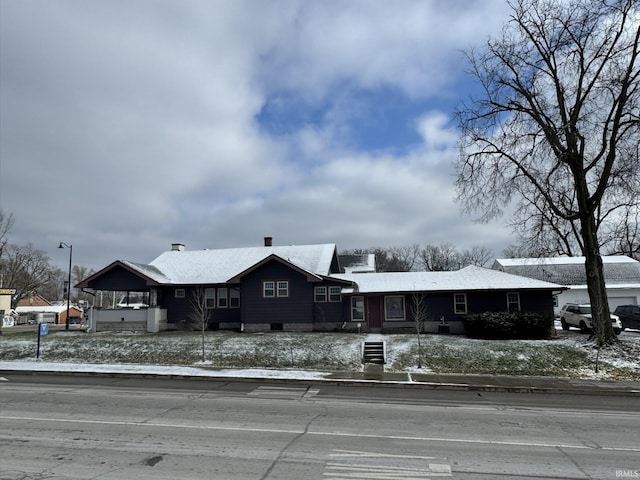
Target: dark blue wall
x=296, y=308
x=178, y=309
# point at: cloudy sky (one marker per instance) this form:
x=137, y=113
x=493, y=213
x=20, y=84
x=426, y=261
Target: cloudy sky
x=126, y=126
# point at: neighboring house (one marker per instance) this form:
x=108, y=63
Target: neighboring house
x=622, y=277
x=303, y=287
x=33, y=301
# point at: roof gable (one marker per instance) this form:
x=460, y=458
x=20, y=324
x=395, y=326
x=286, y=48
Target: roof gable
x=149, y=274
x=275, y=258
x=198, y=267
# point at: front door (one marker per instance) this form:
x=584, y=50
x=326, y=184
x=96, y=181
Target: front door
x=374, y=312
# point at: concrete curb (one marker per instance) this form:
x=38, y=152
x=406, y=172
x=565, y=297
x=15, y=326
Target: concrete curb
x=613, y=389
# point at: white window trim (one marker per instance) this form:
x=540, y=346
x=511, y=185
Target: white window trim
x=337, y=296
x=509, y=303
x=272, y=289
x=317, y=294
x=285, y=289
x=354, y=309
x=180, y=293
x=455, y=303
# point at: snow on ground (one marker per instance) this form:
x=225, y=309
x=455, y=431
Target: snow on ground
x=38, y=366
x=624, y=355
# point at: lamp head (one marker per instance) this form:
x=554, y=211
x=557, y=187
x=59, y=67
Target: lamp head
x=60, y=246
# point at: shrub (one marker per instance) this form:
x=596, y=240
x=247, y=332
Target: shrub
x=505, y=325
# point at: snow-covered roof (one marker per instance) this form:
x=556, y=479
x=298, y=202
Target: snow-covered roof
x=467, y=279
x=610, y=259
x=618, y=269
x=183, y=267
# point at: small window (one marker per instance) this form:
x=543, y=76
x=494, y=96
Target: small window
x=460, y=303
x=394, y=307
x=222, y=297
x=210, y=297
x=180, y=293
x=357, y=309
x=283, y=288
x=234, y=297
x=269, y=289
x=513, y=302
x=335, y=294
x=320, y=294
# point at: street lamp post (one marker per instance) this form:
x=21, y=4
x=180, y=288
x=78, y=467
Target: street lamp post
x=70, y=247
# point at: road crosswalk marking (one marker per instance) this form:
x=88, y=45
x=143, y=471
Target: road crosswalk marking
x=283, y=392
x=369, y=468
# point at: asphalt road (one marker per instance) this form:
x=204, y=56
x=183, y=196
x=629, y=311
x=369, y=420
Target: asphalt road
x=112, y=428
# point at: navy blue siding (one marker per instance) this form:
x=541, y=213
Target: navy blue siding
x=178, y=309
x=327, y=312
x=296, y=308
x=441, y=304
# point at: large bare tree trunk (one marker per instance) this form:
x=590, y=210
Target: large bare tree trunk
x=601, y=317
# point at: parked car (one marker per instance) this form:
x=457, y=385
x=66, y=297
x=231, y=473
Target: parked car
x=579, y=315
x=629, y=315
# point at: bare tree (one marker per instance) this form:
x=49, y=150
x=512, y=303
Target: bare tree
x=79, y=273
x=420, y=315
x=478, y=256
x=6, y=224
x=556, y=122
x=404, y=258
x=199, y=315
x=26, y=269
x=439, y=258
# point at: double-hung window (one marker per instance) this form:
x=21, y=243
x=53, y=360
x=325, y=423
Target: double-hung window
x=268, y=289
x=460, y=303
x=357, y=308
x=210, y=297
x=223, y=293
x=273, y=288
x=283, y=288
x=335, y=294
x=234, y=297
x=513, y=302
x=320, y=294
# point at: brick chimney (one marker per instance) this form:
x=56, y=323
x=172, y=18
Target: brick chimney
x=268, y=241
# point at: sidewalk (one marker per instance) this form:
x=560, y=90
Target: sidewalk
x=373, y=375
x=498, y=383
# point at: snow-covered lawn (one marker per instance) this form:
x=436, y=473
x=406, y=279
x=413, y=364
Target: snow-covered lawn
x=311, y=355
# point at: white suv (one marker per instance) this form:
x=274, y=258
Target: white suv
x=579, y=315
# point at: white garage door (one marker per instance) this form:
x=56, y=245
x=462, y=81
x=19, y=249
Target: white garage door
x=615, y=301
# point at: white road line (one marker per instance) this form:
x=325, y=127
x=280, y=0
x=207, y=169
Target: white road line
x=327, y=434
x=355, y=453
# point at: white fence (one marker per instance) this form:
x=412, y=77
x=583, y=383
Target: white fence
x=151, y=319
